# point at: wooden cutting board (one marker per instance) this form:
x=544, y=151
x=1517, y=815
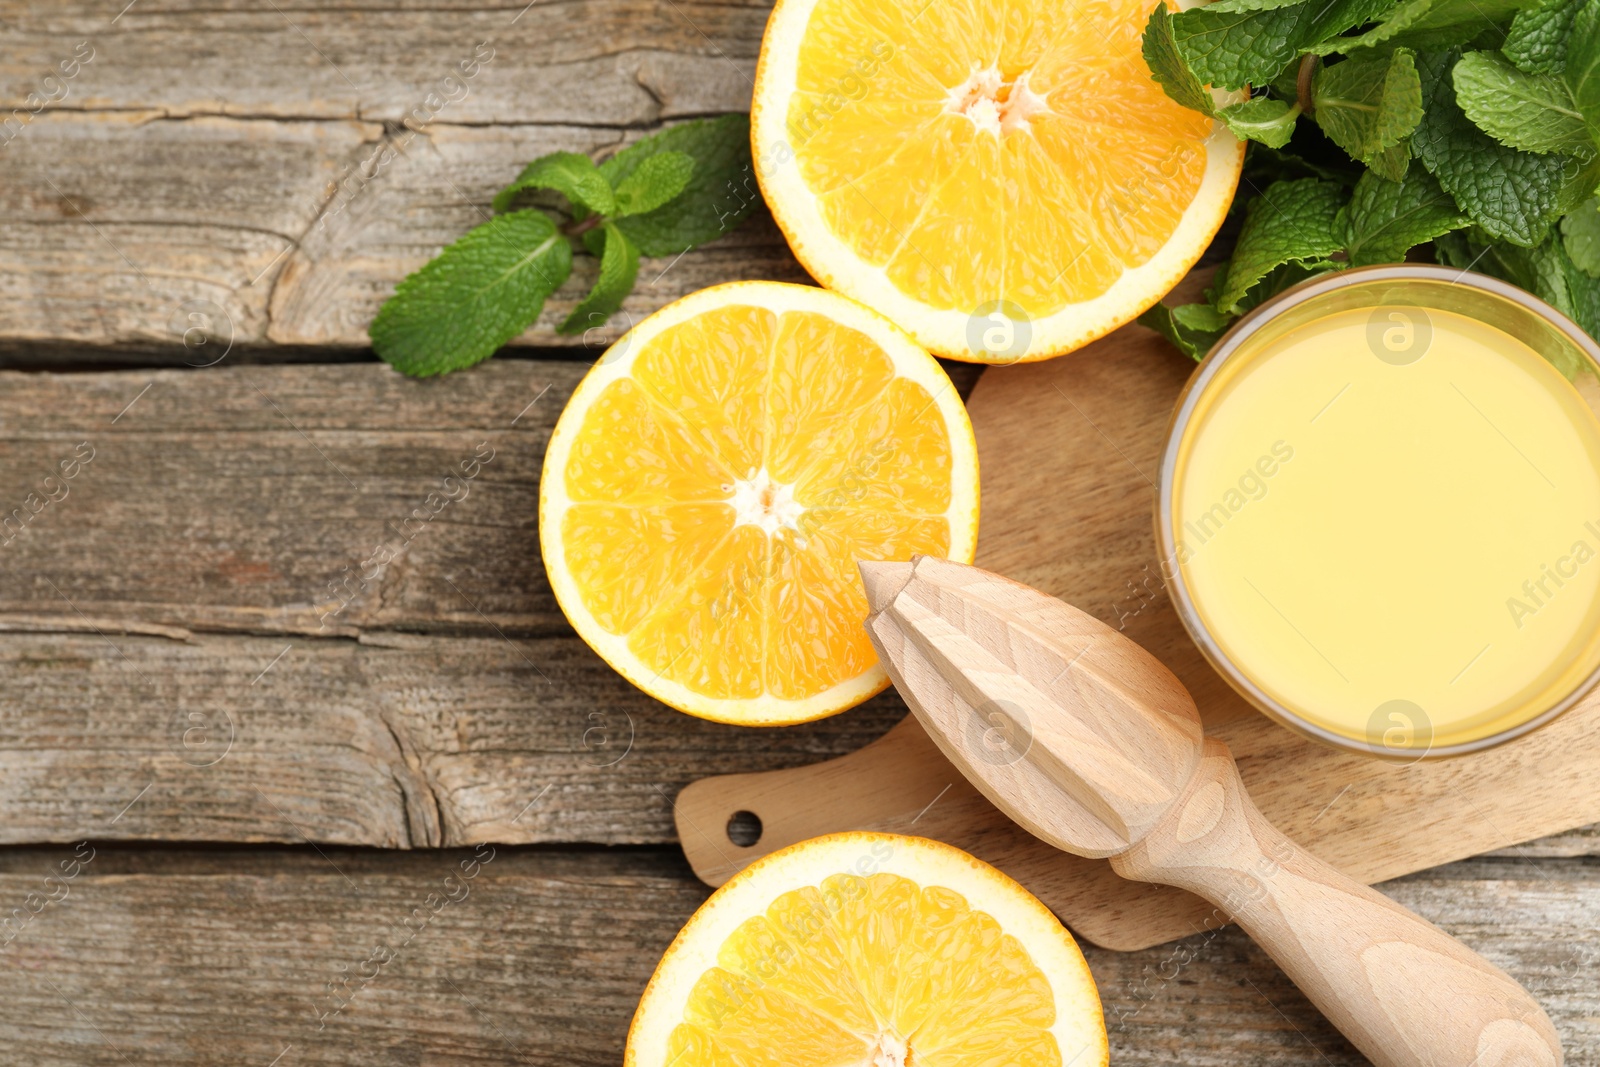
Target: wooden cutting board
x=1068, y=456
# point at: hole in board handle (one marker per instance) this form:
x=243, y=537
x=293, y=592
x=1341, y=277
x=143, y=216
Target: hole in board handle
x=744, y=828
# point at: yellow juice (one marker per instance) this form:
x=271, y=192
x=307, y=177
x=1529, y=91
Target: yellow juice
x=1401, y=548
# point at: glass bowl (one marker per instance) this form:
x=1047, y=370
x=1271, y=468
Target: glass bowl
x=1378, y=510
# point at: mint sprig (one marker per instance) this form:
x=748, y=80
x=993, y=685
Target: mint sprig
x=1511, y=194
x=1263, y=119
x=661, y=196
x=1467, y=131
x=1582, y=67
x=1234, y=43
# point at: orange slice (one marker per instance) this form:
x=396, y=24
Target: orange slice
x=1003, y=178
x=870, y=950
x=714, y=479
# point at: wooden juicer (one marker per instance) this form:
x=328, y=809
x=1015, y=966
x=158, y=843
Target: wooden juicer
x=1093, y=746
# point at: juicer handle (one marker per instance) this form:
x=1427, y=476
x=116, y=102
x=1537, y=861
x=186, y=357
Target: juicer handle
x=1404, y=992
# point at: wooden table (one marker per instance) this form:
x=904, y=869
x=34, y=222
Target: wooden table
x=276, y=756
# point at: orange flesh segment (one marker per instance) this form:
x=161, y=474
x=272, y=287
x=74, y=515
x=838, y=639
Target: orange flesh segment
x=832, y=974
x=934, y=192
x=803, y=424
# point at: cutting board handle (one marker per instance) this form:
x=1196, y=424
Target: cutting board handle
x=1404, y=992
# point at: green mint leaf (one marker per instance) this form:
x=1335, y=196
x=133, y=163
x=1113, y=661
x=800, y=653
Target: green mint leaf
x=657, y=180
x=571, y=174
x=720, y=195
x=474, y=296
x=1537, y=41
x=1386, y=219
x=1368, y=105
x=1391, y=24
x=1527, y=268
x=1513, y=195
x=1392, y=162
x=1263, y=119
x=619, y=267
x=1449, y=23
x=1580, y=179
x=1582, y=71
x=1290, y=222
x=1286, y=86
x=1250, y=5
x=1280, y=278
x=1167, y=66
x=1431, y=25
x=1580, y=232
x=1192, y=328
x=1231, y=49
x=1583, y=292
x=1531, y=112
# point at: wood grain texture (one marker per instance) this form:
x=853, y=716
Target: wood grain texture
x=176, y=958
x=277, y=171
x=1068, y=449
x=1074, y=731
x=248, y=498
x=396, y=741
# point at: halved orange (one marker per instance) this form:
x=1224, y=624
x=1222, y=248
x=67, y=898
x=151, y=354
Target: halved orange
x=1003, y=178
x=870, y=950
x=714, y=479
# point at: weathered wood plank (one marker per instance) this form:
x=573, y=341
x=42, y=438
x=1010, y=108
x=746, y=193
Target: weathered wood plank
x=397, y=741
x=252, y=498
x=1584, y=841
x=588, y=62
x=309, y=158
x=227, y=957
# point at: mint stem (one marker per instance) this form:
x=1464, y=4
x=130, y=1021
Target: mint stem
x=1302, y=83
